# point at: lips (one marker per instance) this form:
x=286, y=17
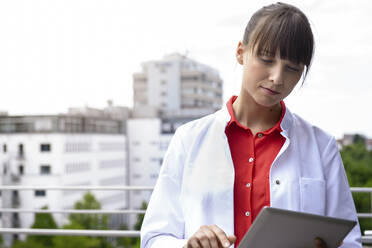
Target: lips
x=270, y=91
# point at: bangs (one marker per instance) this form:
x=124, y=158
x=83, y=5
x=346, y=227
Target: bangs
x=287, y=32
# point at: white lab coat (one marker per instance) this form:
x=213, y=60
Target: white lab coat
x=196, y=181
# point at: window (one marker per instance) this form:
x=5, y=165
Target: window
x=154, y=176
x=20, y=170
x=40, y=193
x=4, y=148
x=20, y=150
x=45, y=170
x=163, y=82
x=45, y=147
x=163, y=93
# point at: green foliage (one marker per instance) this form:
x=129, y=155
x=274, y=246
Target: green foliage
x=76, y=241
x=358, y=165
x=29, y=244
x=44, y=221
x=85, y=221
x=77, y=221
x=128, y=242
x=89, y=221
x=140, y=217
x=124, y=242
x=359, y=139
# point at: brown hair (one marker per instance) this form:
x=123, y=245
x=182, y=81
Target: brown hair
x=284, y=27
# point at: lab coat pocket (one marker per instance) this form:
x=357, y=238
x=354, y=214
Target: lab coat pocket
x=312, y=195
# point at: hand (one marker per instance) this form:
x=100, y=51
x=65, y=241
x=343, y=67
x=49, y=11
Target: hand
x=319, y=243
x=210, y=237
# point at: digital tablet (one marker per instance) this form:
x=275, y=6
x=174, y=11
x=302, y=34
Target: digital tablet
x=276, y=228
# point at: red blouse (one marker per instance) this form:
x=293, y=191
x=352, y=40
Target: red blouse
x=252, y=157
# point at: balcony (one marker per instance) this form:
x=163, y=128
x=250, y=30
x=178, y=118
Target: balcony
x=366, y=238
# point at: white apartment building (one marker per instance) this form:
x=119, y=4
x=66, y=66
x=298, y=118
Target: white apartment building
x=147, y=146
x=176, y=86
x=60, y=150
x=167, y=94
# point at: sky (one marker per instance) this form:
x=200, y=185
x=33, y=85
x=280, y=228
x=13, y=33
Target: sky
x=56, y=54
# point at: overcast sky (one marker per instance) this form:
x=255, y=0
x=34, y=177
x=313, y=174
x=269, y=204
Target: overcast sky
x=60, y=54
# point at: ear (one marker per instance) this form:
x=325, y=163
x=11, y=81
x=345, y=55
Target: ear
x=239, y=53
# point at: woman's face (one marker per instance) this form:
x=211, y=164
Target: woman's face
x=267, y=78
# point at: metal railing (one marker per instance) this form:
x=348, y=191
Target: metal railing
x=366, y=238
x=73, y=232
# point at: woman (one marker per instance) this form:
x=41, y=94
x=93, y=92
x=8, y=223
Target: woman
x=221, y=170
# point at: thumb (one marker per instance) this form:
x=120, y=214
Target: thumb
x=232, y=239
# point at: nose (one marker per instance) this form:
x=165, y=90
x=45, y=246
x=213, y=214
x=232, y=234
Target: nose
x=277, y=74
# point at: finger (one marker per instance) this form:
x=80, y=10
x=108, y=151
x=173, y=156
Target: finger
x=221, y=236
x=193, y=243
x=232, y=239
x=212, y=237
x=202, y=239
x=319, y=243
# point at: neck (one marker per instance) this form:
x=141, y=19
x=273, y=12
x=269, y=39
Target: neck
x=256, y=117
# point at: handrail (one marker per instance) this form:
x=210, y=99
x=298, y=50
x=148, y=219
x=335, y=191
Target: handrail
x=71, y=232
x=147, y=188
x=71, y=211
x=40, y=187
x=361, y=189
x=367, y=238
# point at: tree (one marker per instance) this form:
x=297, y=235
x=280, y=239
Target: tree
x=42, y=221
x=140, y=217
x=129, y=242
x=358, y=166
x=85, y=221
x=359, y=139
x=76, y=241
x=89, y=221
x=124, y=242
x=29, y=244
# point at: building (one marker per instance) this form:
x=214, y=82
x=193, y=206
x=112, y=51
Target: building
x=74, y=149
x=176, y=86
x=167, y=94
x=349, y=139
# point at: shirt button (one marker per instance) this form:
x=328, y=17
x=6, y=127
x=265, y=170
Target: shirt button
x=260, y=135
x=248, y=185
x=247, y=213
x=250, y=160
x=277, y=182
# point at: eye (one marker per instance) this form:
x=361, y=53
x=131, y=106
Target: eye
x=294, y=69
x=267, y=61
